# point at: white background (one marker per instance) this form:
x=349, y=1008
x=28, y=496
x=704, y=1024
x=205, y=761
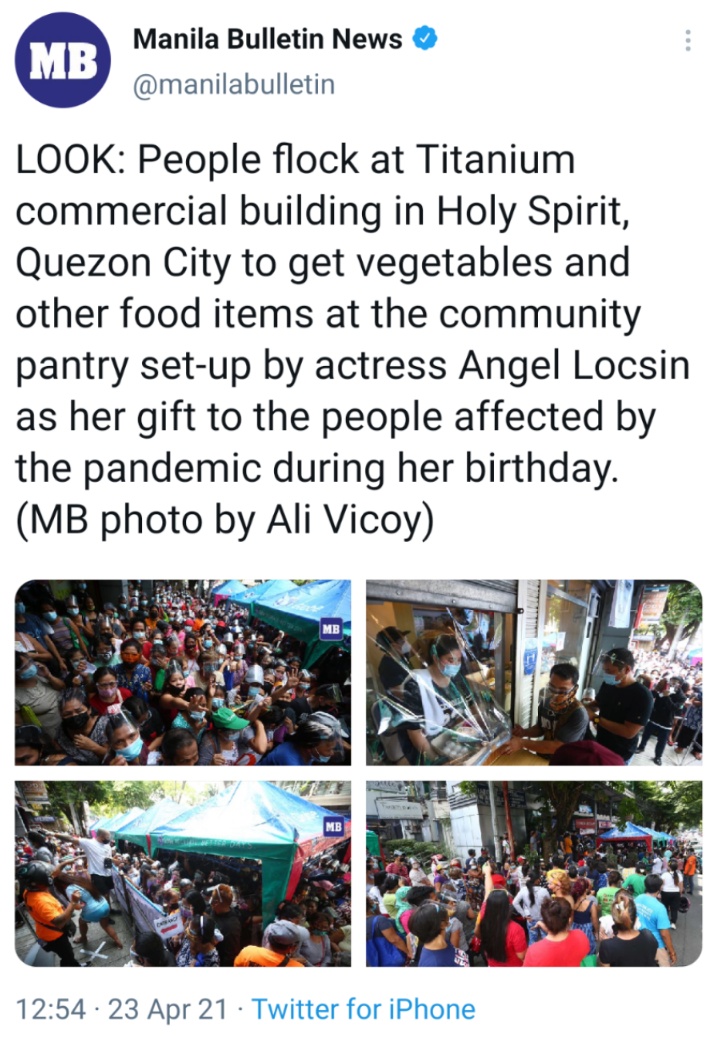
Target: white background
x=614, y=85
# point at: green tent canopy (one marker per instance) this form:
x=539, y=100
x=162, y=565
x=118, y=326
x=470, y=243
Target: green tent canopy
x=257, y=821
x=138, y=829
x=299, y=612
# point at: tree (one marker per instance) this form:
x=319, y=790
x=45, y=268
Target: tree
x=682, y=614
x=559, y=801
x=668, y=806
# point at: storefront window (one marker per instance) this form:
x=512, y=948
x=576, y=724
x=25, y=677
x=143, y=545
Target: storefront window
x=439, y=683
x=565, y=626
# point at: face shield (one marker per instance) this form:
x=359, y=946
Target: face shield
x=339, y=735
x=457, y=712
x=610, y=669
x=555, y=699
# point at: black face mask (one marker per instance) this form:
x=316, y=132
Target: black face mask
x=75, y=723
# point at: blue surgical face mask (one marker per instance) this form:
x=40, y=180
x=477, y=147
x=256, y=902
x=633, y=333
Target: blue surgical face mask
x=196, y=716
x=50, y=616
x=72, y=612
x=29, y=672
x=19, y=608
x=610, y=678
x=451, y=670
x=131, y=751
x=208, y=642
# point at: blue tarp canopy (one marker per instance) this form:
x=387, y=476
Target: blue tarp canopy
x=299, y=612
x=628, y=832
x=263, y=592
x=258, y=821
x=228, y=589
x=139, y=829
x=117, y=822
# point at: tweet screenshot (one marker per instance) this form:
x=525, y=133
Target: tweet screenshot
x=339, y=325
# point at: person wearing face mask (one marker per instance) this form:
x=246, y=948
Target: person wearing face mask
x=125, y=743
x=195, y=718
x=233, y=740
x=106, y=696
x=36, y=695
x=228, y=921
x=190, y=658
x=29, y=637
x=176, y=693
x=209, y=678
x=131, y=672
x=312, y=742
x=61, y=630
x=622, y=707
x=394, y=666
x=105, y=654
x=82, y=737
x=80, y=670
x=561, y=717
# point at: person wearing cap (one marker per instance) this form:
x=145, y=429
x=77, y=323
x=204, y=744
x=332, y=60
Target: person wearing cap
x=561, y=717
x=283, y=939
x=233, y=740
x=228, y=922
x=622, y=707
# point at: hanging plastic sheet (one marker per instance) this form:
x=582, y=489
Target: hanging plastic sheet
x=435, y=703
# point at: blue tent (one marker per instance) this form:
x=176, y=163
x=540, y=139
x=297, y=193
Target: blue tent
x=258, y=821
x=138, y=829
x=629, y=833
x=227, y=589
x=117, y=822
x=263, y=592
x=299, y=612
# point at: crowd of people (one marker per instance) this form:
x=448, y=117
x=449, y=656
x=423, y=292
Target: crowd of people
x=169, y=677
x=612, y=907
x=677, y=717
x=639, y=698
x=65, y=885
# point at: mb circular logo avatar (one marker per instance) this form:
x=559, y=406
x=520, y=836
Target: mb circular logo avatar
x=62, y=60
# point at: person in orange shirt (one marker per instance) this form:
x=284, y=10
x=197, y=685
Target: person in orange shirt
x=50, y=917
x=283, y=940
x=689, y=872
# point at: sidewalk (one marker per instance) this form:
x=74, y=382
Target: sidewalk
x=113, y=957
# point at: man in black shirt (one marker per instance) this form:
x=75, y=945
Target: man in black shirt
x=622, y=707
x=229, y=923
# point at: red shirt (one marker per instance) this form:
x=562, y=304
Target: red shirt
x=568, y=953
x=102, y=707
x=515, y=944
